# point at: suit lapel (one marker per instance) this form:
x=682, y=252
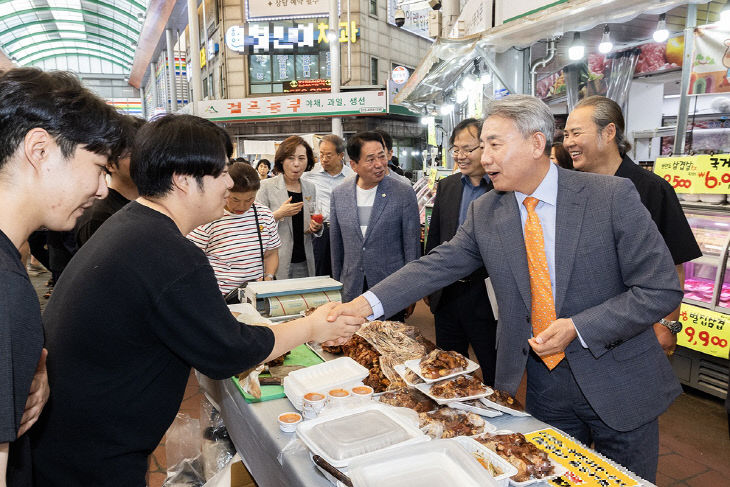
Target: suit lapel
x=509, y=226
x=571, y=205
x=381, y=199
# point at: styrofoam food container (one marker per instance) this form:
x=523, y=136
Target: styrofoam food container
x=474, y=447
x=344, y=435
x=342, y=373
x=426, y=389
x=436, y=463
x=415, y=366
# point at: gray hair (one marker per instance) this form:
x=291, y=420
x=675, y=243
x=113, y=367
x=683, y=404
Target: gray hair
x=529, y=115
x=335, y=140
x=607, y=111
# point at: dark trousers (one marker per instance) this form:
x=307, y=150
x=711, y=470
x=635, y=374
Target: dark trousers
x=464, y=316
x=555, y=398
x=322, y=254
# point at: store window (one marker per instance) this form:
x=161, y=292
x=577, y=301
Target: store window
x=373, y=71
x=373, y=7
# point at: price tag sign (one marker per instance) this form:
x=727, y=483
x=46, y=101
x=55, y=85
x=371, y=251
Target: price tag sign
x=704, y=330
x=696, y=174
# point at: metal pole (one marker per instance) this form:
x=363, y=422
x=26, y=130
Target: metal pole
x=334, y=21
x=153, y=82
x=171, y=70
x=689, y=41
x=193, y=29
x=144, y=102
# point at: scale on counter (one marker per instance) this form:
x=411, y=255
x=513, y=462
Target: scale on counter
x=286, y=299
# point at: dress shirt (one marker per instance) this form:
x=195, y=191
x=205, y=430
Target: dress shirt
x=470, y=192
x=325, y=183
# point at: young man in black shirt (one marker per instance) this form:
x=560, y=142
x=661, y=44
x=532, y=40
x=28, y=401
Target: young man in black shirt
x=55, y=139
x=138, y=306
x=594, y=137
x=122, y=189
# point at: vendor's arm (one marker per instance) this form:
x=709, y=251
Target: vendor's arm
x=271, y=263
x=649, y=274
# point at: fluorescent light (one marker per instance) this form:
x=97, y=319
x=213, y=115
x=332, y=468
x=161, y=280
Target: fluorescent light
x=661, y=34
x=446, y=108
x=577, y=49
x=606, y=45
x=468, y=82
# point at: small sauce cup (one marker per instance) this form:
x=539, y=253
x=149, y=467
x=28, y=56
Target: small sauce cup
x=288, y=421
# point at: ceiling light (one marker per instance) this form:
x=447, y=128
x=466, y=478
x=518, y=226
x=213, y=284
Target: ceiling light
x=468, y=82
x=446, y=108
x=577, y=49
x=661, y=33
x=426, y=120
x=461, y=95
x=606, y=45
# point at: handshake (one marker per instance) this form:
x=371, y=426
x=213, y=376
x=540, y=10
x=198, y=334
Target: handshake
x=334, y=323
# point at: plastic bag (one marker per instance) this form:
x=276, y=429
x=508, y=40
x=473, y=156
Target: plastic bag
x=217, y=447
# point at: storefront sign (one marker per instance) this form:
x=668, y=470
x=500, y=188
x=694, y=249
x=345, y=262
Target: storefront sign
x=262, y=37
x=307, y=86
x=416, y=16
x=400, y=75
x=710, y=61
x=286, y=9
x=295, y=106
x=585, y=467
x=202, y=57
x=704, y=330
x=704, y=174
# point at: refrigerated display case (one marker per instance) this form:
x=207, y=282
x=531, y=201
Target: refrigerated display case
x=707, y=285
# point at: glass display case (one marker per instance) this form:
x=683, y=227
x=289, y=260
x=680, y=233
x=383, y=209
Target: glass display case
x=707, y=282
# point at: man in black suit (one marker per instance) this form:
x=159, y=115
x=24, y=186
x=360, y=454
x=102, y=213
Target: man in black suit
x=462, y=311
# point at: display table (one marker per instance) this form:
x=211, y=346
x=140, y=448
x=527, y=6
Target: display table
x=255, y=433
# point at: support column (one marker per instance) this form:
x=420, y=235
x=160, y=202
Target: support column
x=194, y=46
x=334, y=21
x=689, y=39
x=153, y=84
x=171, y=70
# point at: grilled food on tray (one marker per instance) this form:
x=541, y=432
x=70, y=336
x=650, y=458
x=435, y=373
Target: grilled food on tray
x=409, y=398
x=504, y=399
x=461, y=386
x=531, y=462
x=448, y=423
x=440, y=363
x=413, y=378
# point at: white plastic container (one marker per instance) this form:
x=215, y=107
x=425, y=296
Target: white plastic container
x=477, y=449
x=342, y=373
x=437, y=463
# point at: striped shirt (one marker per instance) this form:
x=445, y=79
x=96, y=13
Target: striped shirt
x=232, y=245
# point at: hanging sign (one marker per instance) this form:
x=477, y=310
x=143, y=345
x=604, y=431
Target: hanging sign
x=704, y=174
x=710, y=60
x=704, y=330
x=400, y=75
x=286, y=9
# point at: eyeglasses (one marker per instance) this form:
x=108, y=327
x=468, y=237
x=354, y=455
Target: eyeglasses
x=455, y=151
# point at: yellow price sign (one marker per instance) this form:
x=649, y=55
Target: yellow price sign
x=708, y=174
x=704, y=330
x=432, y=175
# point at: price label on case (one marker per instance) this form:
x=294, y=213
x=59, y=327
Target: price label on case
x=704, y=330
x=696, y=174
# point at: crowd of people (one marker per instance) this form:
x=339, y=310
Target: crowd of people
x=586, y=268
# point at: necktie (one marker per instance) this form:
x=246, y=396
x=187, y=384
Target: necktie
x=543, y=307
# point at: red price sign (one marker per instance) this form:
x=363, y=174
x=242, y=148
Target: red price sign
x=678, y=182
x=704, y=330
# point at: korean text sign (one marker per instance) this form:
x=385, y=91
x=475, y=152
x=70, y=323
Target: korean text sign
x=708, y=174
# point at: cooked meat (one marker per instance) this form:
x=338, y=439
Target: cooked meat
x=409, y=398
x=440, y=363
x=448, y=423
x=531, y=462
x=461, y=386
x=504, y=399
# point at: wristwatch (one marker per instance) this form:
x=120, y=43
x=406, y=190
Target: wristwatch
x=673, y=326
x=271, y=276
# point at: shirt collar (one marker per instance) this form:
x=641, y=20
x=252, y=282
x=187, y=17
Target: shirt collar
x=465, y=179
x=547, y=191
x=343, y=172
x=626, y=167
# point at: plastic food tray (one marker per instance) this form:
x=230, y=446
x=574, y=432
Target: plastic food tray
x=415, y=366
x=401, y=371
x=504, y=409
x=436, y=463
x=483, y=411
x=341, y=437
x=342, y=372
x=475, y=448
x=426, y=389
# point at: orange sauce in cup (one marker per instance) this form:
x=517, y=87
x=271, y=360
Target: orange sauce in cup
x=290, y=418
x=339, y=393
x=313, y=396
x=362, y=390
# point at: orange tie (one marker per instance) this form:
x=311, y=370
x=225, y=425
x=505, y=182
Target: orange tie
x=543, y=306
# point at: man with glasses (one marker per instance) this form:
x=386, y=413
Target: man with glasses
x=330, y=172
x=462, y=311
x=374, y=224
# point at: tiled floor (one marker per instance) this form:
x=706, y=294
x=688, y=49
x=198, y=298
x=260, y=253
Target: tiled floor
x=694, y=443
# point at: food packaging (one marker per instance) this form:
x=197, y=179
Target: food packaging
x=344, y=435
x=362, y=394
x=342, y=373
x=288, y=421
x=415, y=366
x=436, y=463
x=313, y=404
x=477, y=449
x=338, y=398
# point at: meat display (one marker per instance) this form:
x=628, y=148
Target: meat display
x=531, y=462
x=504, y=399
x=461, y=386
x=448, y=423
x=409, y=398
x=440, y=363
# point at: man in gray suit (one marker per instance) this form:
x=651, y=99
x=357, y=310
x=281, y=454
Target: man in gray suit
x=610, y=277
x=374, y=224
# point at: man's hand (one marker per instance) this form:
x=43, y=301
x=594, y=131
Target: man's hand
x=288, y=208
x=338, y=330
x=555, y=338
x=357, y=307
x=667, y=339
x=409, y=310
x=37, y=397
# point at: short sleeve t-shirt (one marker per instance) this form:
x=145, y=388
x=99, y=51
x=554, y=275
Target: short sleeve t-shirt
x=90, y=221
x=365, y=202
x=21, y=341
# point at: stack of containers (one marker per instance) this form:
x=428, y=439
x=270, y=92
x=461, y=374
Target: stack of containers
x=341, y=373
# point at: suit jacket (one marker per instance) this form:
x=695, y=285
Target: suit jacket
x=614, y=278
x=445, y=222
x=392, y=238
x=273, y=194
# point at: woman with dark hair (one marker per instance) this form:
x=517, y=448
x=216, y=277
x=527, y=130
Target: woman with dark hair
x=560, y=156
x=293, y=202
x=263, y=168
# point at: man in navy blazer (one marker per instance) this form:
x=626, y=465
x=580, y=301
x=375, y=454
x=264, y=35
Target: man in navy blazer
x=611, y=276
x=374, y=224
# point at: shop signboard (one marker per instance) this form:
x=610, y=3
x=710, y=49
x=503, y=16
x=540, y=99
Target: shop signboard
x=416, y=20
x=475, y=17
x=295, y=106
x=710, y=60
x=703, y=174
x=704, y=330
x=307, y=86
x=263, y=37
x=286, y=9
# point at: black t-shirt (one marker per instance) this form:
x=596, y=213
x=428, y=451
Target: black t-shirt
x=297, y=227
x=659, y=198
x=90, y=221
x=133, y=311
x=21, y=341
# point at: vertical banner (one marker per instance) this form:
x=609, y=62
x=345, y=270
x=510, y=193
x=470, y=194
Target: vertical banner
x=710, y=61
